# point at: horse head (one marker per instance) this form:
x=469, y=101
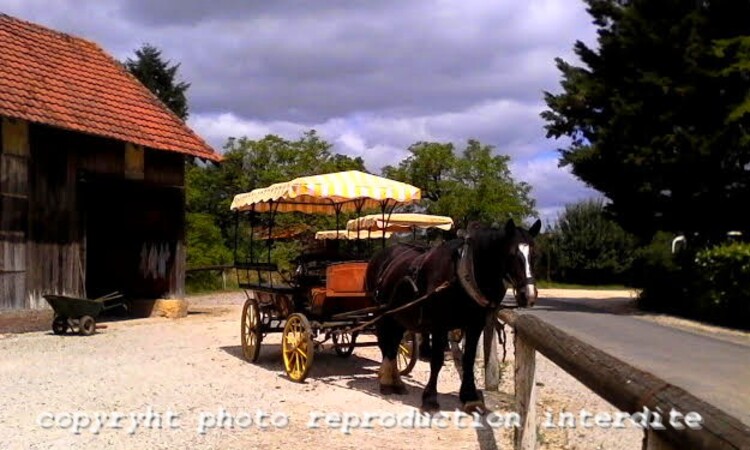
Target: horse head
x=520, y=262
x=493, y=256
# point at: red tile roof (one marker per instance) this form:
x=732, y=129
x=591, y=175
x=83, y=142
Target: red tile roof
x=68, y=82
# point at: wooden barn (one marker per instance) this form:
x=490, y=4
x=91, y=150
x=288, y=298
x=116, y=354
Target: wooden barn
x=92, y=173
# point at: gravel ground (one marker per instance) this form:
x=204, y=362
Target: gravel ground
x=193, y=366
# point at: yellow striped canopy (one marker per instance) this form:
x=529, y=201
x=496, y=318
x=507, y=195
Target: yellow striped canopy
x=399, y=222
x=350, y=235
x=318, y=194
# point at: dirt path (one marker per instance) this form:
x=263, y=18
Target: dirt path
x=192, y=367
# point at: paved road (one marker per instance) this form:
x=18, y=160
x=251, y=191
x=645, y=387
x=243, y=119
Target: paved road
x=715, y=369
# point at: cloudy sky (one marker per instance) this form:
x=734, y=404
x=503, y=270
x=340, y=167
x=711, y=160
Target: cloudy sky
x=371, y=76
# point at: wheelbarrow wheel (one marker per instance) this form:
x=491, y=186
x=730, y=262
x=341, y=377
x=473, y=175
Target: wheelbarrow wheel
x=87, y=326
x=60, y=325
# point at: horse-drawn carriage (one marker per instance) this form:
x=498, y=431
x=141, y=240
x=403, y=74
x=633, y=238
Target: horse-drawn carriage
x=403, y=289
x=316, y=309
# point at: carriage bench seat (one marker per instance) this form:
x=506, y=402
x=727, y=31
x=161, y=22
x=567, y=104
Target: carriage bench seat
x=266, y=285
x=346, y=279
x=344, y=290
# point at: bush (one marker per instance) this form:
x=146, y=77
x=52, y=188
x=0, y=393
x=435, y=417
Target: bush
x=710, y=285
x=725, y=283
x=585, y=246
x=205, y=247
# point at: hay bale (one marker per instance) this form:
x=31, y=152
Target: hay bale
x=172, y=308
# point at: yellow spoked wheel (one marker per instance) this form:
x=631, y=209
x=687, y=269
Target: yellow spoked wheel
x=297, y=347
x=406, y=357
x=251, y=333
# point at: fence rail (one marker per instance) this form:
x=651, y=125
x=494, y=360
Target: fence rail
x=627, y=388
x=223, y=268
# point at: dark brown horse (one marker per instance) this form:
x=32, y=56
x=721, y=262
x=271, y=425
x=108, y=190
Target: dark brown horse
x=463, y=281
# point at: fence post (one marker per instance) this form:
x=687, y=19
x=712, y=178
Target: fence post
x=491, y=361
x=224, y=278
x=525, y=369
x=652, y=441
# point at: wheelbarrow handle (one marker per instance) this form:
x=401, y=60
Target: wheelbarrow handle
x=110, y=296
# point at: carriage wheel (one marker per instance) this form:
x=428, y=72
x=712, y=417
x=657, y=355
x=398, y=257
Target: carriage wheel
x=60, y=325
x=346, y=341
x=87, y=325
x=407, y=356
x=251, y=333
x=297, y=347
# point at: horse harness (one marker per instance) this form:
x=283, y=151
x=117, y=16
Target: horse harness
x=465, y=275
x=464, y=272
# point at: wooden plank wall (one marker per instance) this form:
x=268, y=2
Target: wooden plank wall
x=45, y=213
x=167, y=170
x=14, y=153
x=54, y=244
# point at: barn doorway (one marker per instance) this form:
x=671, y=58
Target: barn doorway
x=132, y=232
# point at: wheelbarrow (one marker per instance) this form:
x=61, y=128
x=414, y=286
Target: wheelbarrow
x=79, y=313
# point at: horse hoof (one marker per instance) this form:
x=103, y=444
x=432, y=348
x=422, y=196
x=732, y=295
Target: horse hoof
x=476, y=406
x=400, y=389
x=430, y=406
x=387, y=389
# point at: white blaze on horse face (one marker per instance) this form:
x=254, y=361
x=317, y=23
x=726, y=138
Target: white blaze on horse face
x=524, y=249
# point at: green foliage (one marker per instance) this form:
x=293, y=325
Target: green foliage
x=725, y=282
x=250, y=164
x=585, y=246
x=711, y=284
x=283, y=253
x=160, y=78
x=204, y=244
x=204, y=248
x=657, y=116
x=654, y=258
x=476, y=185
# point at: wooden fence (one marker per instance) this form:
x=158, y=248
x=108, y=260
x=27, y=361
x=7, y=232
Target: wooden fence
x=223, y=269
x=627, y=388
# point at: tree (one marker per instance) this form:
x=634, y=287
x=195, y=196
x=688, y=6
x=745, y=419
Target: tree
x=250, y=164
x=477, y=185
x=658, y=115
x=585, y=246
x=160, y=78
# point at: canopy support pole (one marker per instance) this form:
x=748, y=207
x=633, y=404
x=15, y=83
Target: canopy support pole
x=236, y=233
x=250, y=221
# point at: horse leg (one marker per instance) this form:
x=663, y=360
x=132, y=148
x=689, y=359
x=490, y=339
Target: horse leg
x=429, y=396
x=425, y=349
x=468, y=394
x=390, y=334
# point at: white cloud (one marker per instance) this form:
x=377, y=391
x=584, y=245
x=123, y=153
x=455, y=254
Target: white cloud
x=371, y=77
x=553, y=186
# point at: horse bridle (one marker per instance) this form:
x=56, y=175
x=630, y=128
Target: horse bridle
x=468, y=280
x=516, y=287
